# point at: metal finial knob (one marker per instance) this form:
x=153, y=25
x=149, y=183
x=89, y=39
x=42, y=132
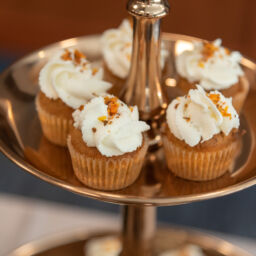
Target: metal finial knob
x=143, y=87
x=148, y=8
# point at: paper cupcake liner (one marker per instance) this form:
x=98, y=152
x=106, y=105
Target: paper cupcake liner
x=196, y=165
x=107, y=174
x=55, y=128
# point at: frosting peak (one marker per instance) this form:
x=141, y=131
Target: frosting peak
x=210, y=64
x=110, y=125
x=68, y=75
x=197, y=117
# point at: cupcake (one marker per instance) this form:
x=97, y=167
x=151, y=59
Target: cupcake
x=116, y=51
x=214, y=68
x=185, y=250
x=103, y=246
x=201, y=136
x=107, y=144
x=67, y=81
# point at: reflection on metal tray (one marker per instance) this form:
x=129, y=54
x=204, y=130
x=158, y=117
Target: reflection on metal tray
x=22, y=141
x=166, y=239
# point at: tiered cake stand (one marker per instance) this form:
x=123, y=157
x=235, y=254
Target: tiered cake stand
x=21, y=140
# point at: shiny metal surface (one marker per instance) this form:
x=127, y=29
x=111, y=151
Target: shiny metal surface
x=148, y=8
x=21, y=138
x=166, y=239
x=139, y=224
x=143, y=86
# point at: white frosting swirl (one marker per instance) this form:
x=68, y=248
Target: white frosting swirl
x=199, y=116
x=69, y=76
x=111, y=135
x=117, y=49
x=211, y=65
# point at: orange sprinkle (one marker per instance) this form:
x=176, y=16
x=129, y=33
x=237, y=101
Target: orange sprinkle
x=215, y=98
x=78, y=56
x=131, y=108
x=225, y=113
x=102, y=118
x=112, y=108
x=208, y=50
x=187, y=118
x=128, y=56
x=94, y=71
x=81, y=107
x=66, y=55
x=113, y=105
x=200, y=64
x=107, y=99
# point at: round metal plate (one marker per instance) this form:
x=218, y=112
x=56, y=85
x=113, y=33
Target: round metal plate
x=166, y=239
x=21, y=138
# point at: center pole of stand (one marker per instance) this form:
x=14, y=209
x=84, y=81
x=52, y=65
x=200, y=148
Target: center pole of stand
x=139, y=224
x=143, y=88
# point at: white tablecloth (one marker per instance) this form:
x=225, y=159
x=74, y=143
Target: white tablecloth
x=25, y=220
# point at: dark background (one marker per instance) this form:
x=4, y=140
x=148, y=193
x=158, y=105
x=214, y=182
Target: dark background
x=26, y=25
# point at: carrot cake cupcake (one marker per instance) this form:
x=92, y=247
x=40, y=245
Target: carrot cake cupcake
x=67, y=81
x=214, y=68
x=201, y=136
x=117, y=50
x=108, y=143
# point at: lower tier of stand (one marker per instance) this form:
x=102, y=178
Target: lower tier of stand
x=165, y=240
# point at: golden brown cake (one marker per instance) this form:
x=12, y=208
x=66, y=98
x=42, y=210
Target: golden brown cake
x=107, y=144
x=67, y=81
x=201, y=135
x=55, y=117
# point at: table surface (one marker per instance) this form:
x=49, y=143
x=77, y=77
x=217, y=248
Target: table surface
x=24, y=220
